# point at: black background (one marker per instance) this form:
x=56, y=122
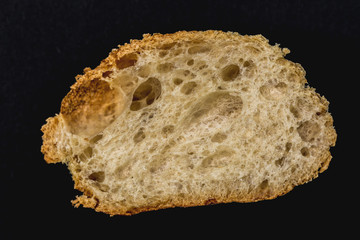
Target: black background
x=45, y=44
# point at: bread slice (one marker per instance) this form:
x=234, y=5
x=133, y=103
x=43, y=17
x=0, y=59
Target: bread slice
x=189, y=119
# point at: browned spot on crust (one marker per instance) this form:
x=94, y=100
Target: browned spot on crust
x=49, y=147
x=91, y=106
x=210, y=201
x=107, y=74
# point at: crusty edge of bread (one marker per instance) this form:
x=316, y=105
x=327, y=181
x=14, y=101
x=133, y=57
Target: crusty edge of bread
x=49, y=147
x=88, y=200
x=53, y=154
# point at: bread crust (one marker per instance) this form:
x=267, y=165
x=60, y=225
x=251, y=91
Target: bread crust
x=54, y=153
x=49, y=147
x=89, y=200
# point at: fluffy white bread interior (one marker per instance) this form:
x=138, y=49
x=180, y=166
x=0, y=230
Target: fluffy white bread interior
x=189, y=119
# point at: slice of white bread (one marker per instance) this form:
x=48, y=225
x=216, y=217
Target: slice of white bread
x=188, y=119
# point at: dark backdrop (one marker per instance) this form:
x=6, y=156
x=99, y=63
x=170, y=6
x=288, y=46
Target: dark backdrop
x=45, y=44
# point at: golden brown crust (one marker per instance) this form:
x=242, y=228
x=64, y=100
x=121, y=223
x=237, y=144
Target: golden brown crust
x=92, y=202
x=74, y=106
x=49, y=147
x=88, y=200
x=162, y=41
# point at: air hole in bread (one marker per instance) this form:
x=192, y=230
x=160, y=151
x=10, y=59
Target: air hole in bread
x=279, y=162
x=273, y=92
x=88, y=152
x=214, y=104
x=126, y=82
x=230, y=72
x=295, y=111
x=163, y=53
x=102, y=187
x=288, y=146
x=168, y=129
x=126, y=61
x=219, y=137
x=167, y=46
x=203, y=66
x=135, y=106
x=321, y=113
x=80, y=157
x=249, y=68
x=96, y=138
x=168, y=146
x=223, y=60
x=177, y=52
x=144, y=71
x=264, y=184
x=308, y=131
x=146, y=93
x=123, y=171
x=186, y=73
x=151, y=98
x=281, y=86
x=188, y=88
x=247, y=63
x=199, y=49
x=305, y=152
x=142, y=91
x=178, y=81
x=218, y=159
x=98, y=176
x=164, y=67
x=190, y=62
x=139, y=136
x=107, y=74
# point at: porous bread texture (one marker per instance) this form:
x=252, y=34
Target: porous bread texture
x=188, y=119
